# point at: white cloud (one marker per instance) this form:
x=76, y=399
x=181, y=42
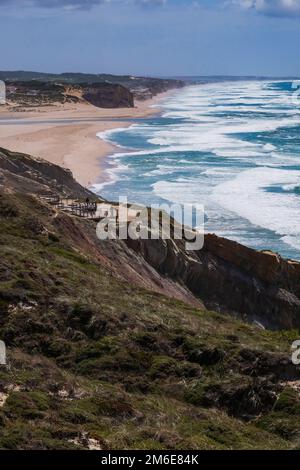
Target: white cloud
x=65, y=4
x=151, y=2
x=272, y=7
x=76, y=4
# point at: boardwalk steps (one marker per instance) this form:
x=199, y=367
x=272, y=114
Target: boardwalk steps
x=94, y=210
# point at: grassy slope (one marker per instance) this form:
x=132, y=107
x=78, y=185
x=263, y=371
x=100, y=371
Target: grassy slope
x=91, y=357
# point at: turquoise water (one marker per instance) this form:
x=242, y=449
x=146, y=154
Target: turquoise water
x=233, y=147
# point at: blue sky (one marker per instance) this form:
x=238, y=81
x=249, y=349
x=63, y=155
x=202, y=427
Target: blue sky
x=152, y=37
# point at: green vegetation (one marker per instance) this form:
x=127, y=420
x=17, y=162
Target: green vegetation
x=94, y=358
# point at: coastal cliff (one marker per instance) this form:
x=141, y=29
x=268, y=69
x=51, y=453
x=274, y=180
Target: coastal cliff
x=28, y=89
x=108, y=95
x=26, y=174
x=231, y=278
x=37, y=93
x=106, y=338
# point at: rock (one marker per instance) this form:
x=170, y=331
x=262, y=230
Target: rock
x=209, y=356
x=276, y=367
x=244, y=401
x=108, y=95
x=230, y=278
x=84, y=440
x=44, y=178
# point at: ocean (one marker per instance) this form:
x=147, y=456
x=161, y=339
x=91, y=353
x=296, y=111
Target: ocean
x=233, y=146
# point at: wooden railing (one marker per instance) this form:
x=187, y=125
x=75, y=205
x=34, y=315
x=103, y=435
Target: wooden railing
x=82, y=208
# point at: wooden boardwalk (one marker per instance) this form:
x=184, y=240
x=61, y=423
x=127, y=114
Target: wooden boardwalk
x=93, y=210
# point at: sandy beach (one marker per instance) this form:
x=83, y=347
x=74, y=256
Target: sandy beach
x=73, y=145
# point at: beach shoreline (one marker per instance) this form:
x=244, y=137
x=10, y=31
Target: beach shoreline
x=72, y=145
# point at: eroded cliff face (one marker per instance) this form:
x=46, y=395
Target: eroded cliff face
x=64, y=86
x=38, y=93
x=27, y=174
x=108, y=95
x=224, y=276
x=231, y=278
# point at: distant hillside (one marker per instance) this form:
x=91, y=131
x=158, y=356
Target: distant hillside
x=141, y=87
x=38, y=93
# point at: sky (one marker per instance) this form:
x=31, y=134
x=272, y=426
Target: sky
x=152, y=37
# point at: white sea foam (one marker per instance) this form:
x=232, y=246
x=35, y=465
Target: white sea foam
x=218, y=120
x=292, y=186
x=113, y=172
x=108, y=135
x=293, y=241
x=247, y=195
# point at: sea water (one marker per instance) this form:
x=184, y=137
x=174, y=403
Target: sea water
x=233, y=147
